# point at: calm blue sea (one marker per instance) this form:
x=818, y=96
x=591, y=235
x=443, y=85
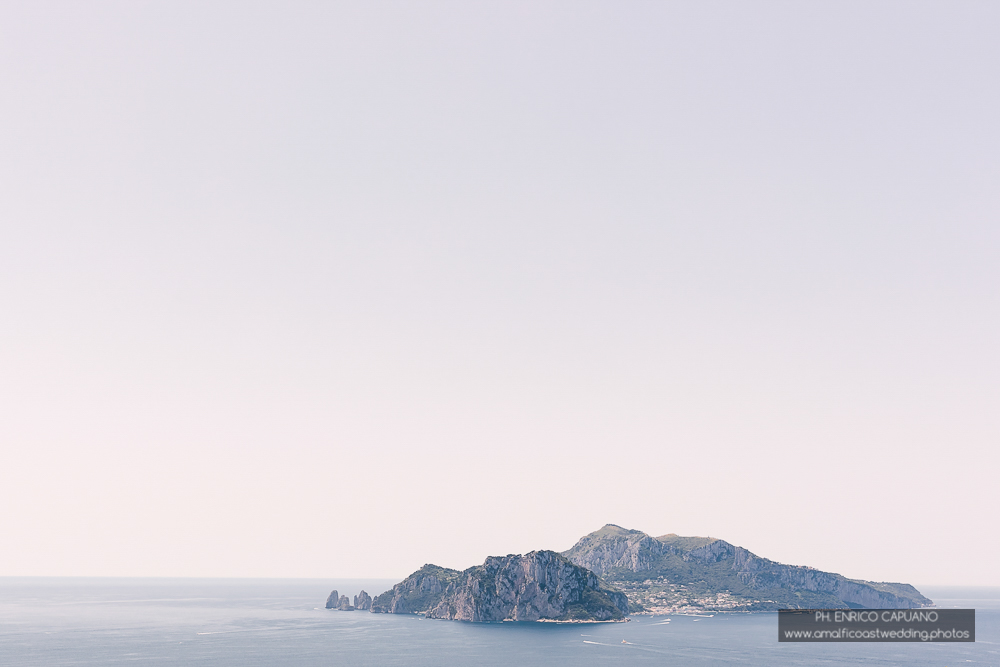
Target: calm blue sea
x=221, y=623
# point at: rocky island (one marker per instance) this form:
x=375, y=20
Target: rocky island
x=615, y=571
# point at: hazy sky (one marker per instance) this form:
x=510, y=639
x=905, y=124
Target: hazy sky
x=337, y=289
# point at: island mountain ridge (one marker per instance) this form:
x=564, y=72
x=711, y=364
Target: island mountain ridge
x=672, y=572
x=615, y=571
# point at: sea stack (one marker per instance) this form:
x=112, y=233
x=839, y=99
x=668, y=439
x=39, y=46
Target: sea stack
x=363, y=601
x=333, y=600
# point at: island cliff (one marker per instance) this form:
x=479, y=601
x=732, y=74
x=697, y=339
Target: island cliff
x=541, y=585
x=417, y=593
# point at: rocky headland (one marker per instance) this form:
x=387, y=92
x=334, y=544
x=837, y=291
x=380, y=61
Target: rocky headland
x=538, y=586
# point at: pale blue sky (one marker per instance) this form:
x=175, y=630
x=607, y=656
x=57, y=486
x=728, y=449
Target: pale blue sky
x=338, y=289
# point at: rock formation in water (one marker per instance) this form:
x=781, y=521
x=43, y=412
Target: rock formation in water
x=340, y=602
x=362, y=601
x=333, y=600
x=541, y=585
x=704, y=572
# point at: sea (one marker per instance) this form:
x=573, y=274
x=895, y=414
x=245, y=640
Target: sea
x=50, y=622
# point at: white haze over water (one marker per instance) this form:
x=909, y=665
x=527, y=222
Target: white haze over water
x=337, y=289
